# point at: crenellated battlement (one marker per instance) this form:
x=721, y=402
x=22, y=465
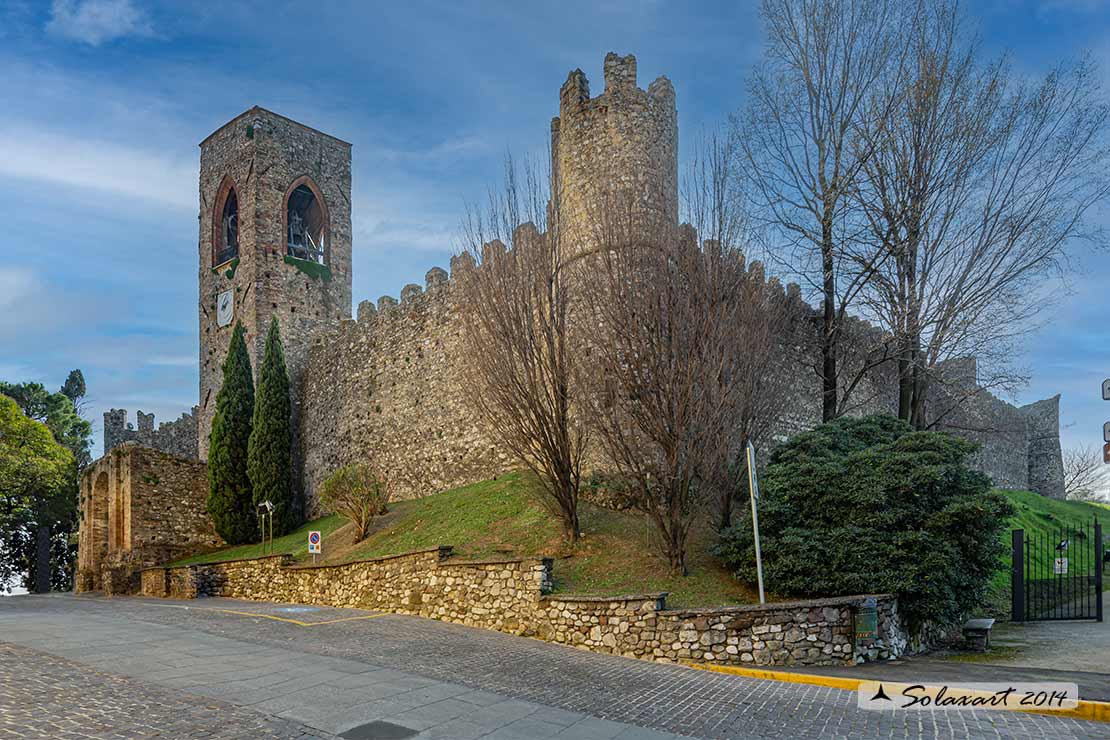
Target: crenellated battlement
x=178, y=437
x=622, y=144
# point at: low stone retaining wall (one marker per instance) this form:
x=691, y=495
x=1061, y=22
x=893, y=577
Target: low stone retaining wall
x=514, y=596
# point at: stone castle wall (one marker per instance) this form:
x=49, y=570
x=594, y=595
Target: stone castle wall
x=177, y=437
x=514, y=596
x=389, y=387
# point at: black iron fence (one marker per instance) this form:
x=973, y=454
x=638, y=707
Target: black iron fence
x=1058, y=574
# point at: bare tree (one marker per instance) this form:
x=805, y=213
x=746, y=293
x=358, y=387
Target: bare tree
x=1086, y=476
x=813, y=91
x=768, y=322
x=973, y=188
x=678, y=342
x=518, y=339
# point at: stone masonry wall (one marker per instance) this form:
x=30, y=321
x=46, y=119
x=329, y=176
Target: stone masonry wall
x=262, y=155
x=177, y=437
x=390, y=387
x=138, y=507
x=513, y=596
x=621, y=144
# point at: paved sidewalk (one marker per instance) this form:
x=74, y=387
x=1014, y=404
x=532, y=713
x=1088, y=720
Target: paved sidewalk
x=302, y=665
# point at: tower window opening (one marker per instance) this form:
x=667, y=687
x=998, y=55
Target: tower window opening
x=306, y=225
x=227, y=230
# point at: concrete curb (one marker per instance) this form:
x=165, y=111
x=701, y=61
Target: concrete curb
x=1094, y=711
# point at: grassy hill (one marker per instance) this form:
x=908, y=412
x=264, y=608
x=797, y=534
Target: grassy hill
x=504, y=517
x=617, y=554
x=1040, y=516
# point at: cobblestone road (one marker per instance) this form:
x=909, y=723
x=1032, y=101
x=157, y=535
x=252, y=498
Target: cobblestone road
x=43, y=696
x=559, y=690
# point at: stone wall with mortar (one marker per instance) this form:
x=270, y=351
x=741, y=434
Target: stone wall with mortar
x=621, y=145
x=263, y=155
x=178, y=437
x=514, y=596
x=138, y=507
x=390, y=387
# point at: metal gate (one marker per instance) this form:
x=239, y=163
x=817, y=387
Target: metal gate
x=1057, y=575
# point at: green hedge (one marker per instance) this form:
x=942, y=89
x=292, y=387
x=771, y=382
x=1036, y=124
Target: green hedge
x=869, y=506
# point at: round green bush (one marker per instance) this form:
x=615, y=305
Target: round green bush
x=869, y=506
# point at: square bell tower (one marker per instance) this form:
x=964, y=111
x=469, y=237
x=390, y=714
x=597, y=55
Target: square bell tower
x=275, y=240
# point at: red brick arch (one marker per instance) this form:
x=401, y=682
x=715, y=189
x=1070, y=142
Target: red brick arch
x=308, y=182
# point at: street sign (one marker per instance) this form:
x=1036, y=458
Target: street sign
x=314, y=542
x=1106, y=431
x=1060, y=567
x=1106, y=453
x=1106, y=390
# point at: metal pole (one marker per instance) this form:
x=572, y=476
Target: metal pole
x=1017, y=576
x=1098, y=570
x=753, y=489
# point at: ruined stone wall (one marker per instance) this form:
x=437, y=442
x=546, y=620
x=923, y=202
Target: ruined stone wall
x=177, y=437
x=514, y=596
x=139, y=507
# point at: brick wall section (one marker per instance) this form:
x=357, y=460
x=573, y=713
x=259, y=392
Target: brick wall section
x=513, y=596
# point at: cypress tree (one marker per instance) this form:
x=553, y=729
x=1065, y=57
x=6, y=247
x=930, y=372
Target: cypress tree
x=229, y=487
x=269, y=458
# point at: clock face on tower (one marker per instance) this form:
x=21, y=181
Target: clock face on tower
x=225, y=308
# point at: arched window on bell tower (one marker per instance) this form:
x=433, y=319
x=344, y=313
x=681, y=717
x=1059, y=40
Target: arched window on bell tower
x=225, y=225
x=306, y=221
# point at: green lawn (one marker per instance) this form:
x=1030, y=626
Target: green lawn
x=1040, y=517
x=294, y=543
x=504, y=518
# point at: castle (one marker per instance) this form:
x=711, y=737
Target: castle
x=388, y=385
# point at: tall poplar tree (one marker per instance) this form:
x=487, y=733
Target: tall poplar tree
x=268, y=456
x=229, y=488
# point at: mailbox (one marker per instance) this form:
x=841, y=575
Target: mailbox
x=867, y=620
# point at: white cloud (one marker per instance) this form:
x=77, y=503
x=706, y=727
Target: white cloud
x=85, y=163
x=95, y=21
x=16, y=283
x=173, y=360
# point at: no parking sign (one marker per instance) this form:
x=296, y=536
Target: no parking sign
x=314, y=542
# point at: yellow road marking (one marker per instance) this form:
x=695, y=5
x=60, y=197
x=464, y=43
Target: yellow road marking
x=1096, y=711
x=290, y=620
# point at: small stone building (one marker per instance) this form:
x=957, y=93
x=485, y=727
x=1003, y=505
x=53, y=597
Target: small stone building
x=139, y=507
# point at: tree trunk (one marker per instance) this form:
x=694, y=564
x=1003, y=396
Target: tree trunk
x=42, y=558
x=828, y=328
x=920, y=389
x=725, y=510
x=905, y=383
x=572, y=528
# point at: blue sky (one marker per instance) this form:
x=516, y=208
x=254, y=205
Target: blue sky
x=105, y=102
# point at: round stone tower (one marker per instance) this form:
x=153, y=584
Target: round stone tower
x=620, y=146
